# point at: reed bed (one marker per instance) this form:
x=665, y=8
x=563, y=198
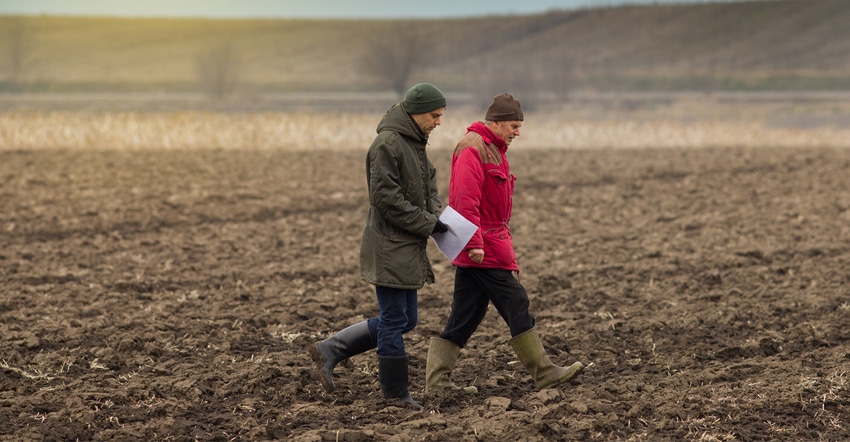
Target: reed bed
x=297, y=131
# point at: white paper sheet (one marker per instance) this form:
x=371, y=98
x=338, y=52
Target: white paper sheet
x=460, y=232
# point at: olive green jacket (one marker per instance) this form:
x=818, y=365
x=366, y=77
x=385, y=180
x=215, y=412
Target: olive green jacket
x=403, y=205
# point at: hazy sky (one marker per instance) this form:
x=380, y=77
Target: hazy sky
x=307, y=8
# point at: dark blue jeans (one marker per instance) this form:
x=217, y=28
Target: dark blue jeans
x=399, y=315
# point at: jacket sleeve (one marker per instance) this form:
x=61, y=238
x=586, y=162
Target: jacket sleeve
x=387, y=194
x=466, y=189
x=436, y=205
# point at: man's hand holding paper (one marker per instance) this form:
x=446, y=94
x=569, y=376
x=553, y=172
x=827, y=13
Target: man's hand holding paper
x=460, y=231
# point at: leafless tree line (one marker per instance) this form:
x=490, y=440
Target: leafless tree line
x=395, y=56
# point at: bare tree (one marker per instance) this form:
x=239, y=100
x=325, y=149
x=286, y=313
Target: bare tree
x=18, y=46
x=393, y=56
x=521, y=80
x=217, y=73
x=562, y=80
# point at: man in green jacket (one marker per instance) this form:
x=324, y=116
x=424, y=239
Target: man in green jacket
x=403, y=211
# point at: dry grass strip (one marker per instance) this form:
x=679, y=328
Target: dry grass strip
x=23, y=130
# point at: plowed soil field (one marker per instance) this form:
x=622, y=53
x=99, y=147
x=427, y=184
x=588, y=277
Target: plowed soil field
x=171, y=295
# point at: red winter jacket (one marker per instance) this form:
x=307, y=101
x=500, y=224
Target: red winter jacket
x=481, y=189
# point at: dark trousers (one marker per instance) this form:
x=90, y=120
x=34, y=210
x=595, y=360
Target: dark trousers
x=474, y=290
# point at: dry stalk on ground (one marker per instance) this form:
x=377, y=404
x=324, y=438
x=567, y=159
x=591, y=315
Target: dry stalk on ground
x=307, y=131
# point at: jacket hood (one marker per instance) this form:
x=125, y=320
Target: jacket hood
x=398, y=120
x=487, y=135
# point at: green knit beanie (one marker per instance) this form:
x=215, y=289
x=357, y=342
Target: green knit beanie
x=422, y=98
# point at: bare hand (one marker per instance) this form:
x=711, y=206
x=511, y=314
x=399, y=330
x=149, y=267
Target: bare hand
x=476, y=255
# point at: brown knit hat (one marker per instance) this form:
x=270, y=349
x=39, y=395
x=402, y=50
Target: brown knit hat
x=504, y=108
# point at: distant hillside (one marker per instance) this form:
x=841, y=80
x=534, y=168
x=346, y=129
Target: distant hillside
x=758, y=45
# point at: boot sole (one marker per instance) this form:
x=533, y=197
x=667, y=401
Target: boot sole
x=471, y=389
x=319, y=362
x=576, y=371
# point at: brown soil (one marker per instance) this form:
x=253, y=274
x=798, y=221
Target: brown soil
x=172, y=295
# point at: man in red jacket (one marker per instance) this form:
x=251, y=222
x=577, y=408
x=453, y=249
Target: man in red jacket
x=481, y=189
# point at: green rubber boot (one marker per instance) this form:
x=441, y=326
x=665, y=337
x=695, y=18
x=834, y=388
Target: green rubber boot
x=530, y=351
x=442, y=356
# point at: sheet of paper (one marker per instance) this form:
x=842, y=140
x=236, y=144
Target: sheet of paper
x=460, y=232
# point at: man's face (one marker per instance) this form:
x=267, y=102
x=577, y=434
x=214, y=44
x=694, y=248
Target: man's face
x=429, y=120
x=507, y=130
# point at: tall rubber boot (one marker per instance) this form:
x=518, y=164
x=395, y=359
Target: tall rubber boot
x=393, y=374
x=442, y=356
x=350, y=341
x=530, y=351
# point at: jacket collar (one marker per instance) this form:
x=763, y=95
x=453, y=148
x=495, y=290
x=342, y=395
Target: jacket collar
x=487, y=135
